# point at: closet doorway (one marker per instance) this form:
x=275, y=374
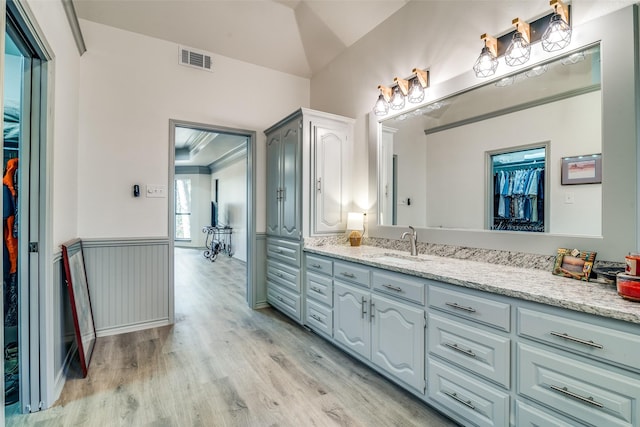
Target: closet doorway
x=212, y=199
x=24, y=128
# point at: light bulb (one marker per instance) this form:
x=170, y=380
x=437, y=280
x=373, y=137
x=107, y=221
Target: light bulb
x=557, y=36
x=518, y=51
x=382, y=107
x=397, y=99
x=416, y=91
x=486, y=64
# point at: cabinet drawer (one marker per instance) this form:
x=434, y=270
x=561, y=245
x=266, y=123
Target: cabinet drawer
x=584, y=338
x=283, y=300
x=351, y=273
x=320, y=318
x=479, y=403
x=284, y=275
x=284, y=250
x=484, y=310
x=399, y=286
x=482, y=352
x=527, y=416
x=589, y=393
x=320, y=288
x=319, y=265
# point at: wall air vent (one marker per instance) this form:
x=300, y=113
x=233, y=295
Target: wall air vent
x=195, y=58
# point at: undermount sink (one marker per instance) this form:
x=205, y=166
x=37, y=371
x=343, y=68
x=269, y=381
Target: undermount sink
x=395, y=258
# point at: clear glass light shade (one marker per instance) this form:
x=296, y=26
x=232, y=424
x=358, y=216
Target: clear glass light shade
x=382, y=107
x=557, y=36
x=397, y=99
x=416, y=91
x=486, y=64
x=518, y=52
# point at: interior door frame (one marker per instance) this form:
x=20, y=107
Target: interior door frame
x=37, y=382
x=252, y=288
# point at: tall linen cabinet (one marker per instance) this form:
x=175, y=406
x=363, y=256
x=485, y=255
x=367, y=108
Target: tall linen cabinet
x=308, y=193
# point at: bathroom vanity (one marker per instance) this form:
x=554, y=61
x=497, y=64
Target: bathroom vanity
x=486, y=344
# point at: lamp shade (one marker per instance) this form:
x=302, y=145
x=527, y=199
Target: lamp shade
x=355, y=221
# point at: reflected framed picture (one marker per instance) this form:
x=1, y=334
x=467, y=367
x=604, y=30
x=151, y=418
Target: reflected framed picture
x=75, y=277
x=585, y=169
x=574, y=263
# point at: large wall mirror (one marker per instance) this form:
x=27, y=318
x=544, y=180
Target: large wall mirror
x=433, y=170
x=435, y=167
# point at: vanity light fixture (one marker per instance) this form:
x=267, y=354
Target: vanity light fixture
x=519, y=51
x=400, y=91
x=557, y=36
x=417, y=85
x=382, y=104
x=487, y=63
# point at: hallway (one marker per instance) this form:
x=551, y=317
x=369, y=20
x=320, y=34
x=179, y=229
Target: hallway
x=223, y=364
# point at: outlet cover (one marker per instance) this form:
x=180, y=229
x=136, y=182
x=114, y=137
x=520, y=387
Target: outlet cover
x=157, y=191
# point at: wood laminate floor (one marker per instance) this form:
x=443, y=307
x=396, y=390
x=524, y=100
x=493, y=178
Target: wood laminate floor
x=223, y=364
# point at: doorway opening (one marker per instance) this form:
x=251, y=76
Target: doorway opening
x=212, y=206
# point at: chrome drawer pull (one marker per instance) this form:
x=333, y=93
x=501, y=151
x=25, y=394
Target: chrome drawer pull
x=316, y=317
x=363, y=311
x=279, y=298
x=278, y=274
x=393, y=288
x=455, y=397
x=276, y=251
x=347, y=274
x=460, y=307
x=588, y=400
x=578, y=340
x=460, y=349
x=316, y=266
x=318, y=290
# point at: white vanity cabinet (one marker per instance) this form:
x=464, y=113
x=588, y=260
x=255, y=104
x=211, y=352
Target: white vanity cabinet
x=469, y=355
x=319, y=294
x=579, y=367
x=307, y=190
x=387, y=331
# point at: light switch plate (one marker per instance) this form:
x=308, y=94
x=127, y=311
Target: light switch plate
x=157, y=191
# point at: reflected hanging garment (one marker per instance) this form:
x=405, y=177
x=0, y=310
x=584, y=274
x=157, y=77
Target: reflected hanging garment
x=11, y=244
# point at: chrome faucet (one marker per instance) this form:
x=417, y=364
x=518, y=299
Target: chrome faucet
x=413, y=239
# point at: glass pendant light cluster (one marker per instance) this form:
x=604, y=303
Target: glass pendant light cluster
x=556, y=36
x=395, y=97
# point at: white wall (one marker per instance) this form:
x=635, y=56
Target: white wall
x=130, y=86
x=456, y=159
x=200, y=208
x=63, y=119
x=232, y=204
x=441, y=35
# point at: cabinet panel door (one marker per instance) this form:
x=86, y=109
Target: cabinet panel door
x=291, y=177
x=273, y=184
x=397, y=340
x=330, y=174
x=351, y=318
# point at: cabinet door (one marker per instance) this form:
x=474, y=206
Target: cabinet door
x=291, y=175
x=351, y=318
x=273, y=184
x=397, y=340
x=331, y=173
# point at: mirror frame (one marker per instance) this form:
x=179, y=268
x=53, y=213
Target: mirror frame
x=616, y=33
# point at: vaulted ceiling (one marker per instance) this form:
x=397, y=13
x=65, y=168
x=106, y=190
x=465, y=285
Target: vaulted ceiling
x=298, y=37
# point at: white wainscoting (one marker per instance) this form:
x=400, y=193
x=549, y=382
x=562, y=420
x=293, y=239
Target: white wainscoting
x=128, y=283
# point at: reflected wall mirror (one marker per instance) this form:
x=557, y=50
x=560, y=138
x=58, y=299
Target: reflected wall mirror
x=433, y=164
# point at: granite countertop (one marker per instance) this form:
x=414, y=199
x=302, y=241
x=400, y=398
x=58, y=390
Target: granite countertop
x=523, y=283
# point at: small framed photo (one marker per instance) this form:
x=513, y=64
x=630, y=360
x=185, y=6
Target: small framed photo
x=585, y=169
x=574, y=263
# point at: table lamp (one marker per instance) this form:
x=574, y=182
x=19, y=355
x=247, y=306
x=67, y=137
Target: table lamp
x=355, y=223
